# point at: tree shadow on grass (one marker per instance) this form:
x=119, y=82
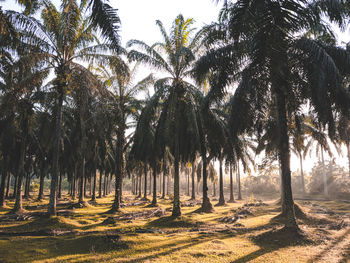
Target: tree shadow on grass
x=332, y=245
x=38, y=225
x=172, y=222
x=273, y=240
x=172, y=247
x=45, y=248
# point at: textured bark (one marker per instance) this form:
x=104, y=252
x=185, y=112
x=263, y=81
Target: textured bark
x=164, y=178
x=140, y=185
x=8, y=186
x=15, y=186
x=55, y=158
x=26, y=187
x=176, y=203
x=93, y=196
x=20, y=174
x=239, y=195
x=100, y=186
x=188, y=181
x=325, y=184
x=41, y=186
x=348, y=149
x=120, y=168
x=81, y=189
x=284, y=156
x=85, y=180
x=105, y=185
x=145, y=183
x=150, y=183
x=154, y=200
x=302, y=174
x=59, y=194
x=232, y=198
x=221, y=185
x=206, y=205
x=193, y=173
x=2, y=189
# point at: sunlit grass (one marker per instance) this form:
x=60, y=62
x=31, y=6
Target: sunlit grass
x=194, y=237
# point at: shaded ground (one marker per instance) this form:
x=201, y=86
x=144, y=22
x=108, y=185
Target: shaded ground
x=138, y=233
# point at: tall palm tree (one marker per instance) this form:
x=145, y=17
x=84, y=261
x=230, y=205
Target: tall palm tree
x=177, y=124
x=122, y=92
x=102, y=16
x=264, y=50
x=62, y=40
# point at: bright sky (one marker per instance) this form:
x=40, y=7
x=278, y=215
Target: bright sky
x=138, y=22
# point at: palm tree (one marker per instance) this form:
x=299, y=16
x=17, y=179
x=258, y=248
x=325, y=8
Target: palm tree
x=262, y=48
x=20, y=89
x=102, y=16
x=122, y=93
x=62, y=40
x=176, y=98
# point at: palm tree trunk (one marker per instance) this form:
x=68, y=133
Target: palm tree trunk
x=238, y=175
x=41, y=187
x=284, y=156
x=214, y=189
x=176, y=203
x=140, y=185
x=302, y=174
x=8, y=186
x=325, y=184
x=56, y=152
x=160, y=184
x=93, y=196
x=18, y=204
x=85, y=181
x=164, y=178
x=221, y=185
x=193, y=196
x=26, y=186
x=59, y=195
x=2, y=189
x=145, y=184
x=120, y=169
x=348, y=149
x=81, y=189
x=150, y=183
x=232, y=198
x=154, y=200
x=100, y=186
x=105, y=184
x=188, y=182
x=15, y=187
x=74, y=184
x=206, y=205
x=168, y=184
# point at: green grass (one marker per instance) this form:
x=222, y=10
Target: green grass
x=192, y=237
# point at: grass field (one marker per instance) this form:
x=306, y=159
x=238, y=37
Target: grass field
x=148, y=234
